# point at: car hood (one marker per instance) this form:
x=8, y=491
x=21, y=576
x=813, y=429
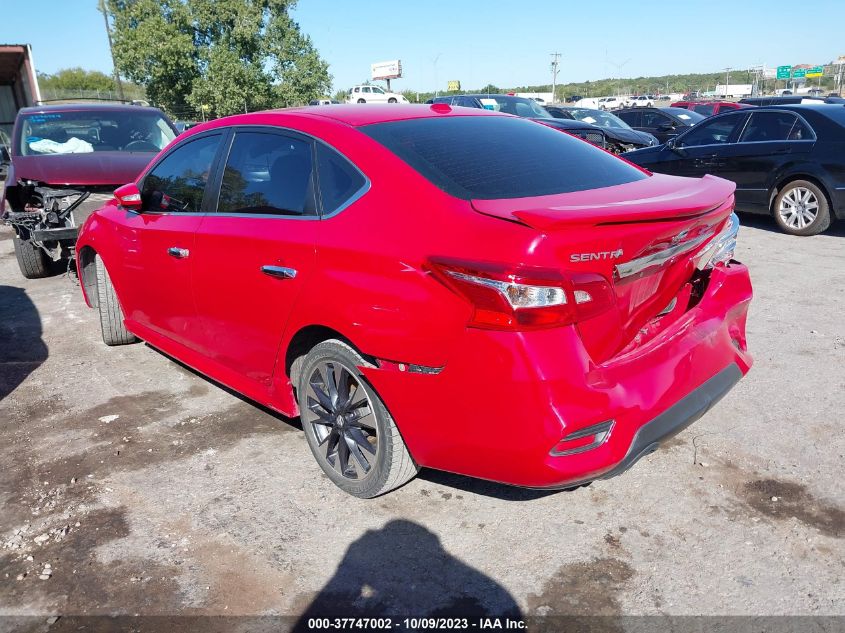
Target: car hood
x=645, y=155
x=628, y=136
x=94, y=168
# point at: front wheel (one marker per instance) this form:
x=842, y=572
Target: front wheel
x=349, y=431
x=361, y=101
x=32, y=260
x=111, y=314
x=391, y=100
x=801, y=208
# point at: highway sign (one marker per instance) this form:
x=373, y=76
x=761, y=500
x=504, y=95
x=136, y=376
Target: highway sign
x=799, y=73
x=815, y=71
x=784, y=72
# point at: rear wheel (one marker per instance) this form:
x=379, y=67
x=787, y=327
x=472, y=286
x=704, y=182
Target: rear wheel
x=349, y=431
x=111, y=314
x=801, y=208
x=391, y=100
x=361, y=101
x=32, y=260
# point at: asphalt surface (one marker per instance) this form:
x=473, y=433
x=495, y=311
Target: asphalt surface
x=130, y=485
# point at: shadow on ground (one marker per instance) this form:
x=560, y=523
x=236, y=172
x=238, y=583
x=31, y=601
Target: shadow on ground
x=767, y=223
x=21, y=349
x=402, y=569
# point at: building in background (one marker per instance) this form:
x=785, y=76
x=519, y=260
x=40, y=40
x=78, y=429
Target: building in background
x=18, y=82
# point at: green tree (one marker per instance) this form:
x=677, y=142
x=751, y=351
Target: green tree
x=76, y=79
x=228, y=55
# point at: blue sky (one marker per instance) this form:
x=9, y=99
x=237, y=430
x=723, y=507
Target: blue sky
x=503, y=42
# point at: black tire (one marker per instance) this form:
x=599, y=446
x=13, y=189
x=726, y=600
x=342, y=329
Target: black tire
x=386, y=464
x=391, y=100
x=111, y=314
x=361, y=101
x=32, y=261
x=801, y=208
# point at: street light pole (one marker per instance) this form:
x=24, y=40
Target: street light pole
x=434, y=63
x=727, y=81
x=555, y=71
x=111, y=50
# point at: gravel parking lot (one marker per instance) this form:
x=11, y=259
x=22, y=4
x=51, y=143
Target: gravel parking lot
x=131, y=485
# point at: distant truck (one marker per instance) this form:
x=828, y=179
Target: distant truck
x=734, y=91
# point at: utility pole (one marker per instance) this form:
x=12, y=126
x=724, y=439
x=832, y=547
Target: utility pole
x=727, y=80
x=434, y=64
x=111, y=49
x=555, y=71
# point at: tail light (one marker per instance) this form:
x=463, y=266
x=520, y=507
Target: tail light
x=524, y=297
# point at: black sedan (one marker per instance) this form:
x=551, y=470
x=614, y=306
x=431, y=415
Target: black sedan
x=620, y=136
x=787, y=161
x=664, y=123
x=529, y=109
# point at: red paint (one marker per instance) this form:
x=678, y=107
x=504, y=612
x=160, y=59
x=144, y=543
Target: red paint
x=505, y=395
x=718, y=106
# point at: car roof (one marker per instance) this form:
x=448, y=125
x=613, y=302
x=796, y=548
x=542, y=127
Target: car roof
x=835, y=111
x=353, y=114
x=87, y=106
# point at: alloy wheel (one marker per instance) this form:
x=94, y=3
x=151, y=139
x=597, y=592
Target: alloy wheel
x=340, y=413
x=798, y=208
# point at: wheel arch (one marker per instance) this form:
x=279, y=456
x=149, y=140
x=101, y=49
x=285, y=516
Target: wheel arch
x=783, y=181
x=305, y=339
x=87, y=270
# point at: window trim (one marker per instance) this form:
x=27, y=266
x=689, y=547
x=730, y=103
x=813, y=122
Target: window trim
x=165, y=154
x=220, y=167
x=714, y=117
x=797, y=116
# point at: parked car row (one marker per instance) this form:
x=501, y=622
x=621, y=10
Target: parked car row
x=381, y=263
x=787, y=161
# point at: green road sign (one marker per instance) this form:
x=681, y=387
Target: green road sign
x=784, y=72
x=799, y=73
x=815, y=71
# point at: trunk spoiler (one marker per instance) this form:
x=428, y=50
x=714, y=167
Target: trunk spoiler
x=657, y=197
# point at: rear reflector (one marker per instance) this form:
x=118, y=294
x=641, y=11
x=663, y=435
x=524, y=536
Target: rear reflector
x=583, y=440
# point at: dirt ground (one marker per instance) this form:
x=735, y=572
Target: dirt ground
x=130, y=485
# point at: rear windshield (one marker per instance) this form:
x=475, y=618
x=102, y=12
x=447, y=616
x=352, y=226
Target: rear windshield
x=84, y=131
x=492, y=157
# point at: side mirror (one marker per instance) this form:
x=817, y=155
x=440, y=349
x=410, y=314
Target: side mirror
x=672, y=144
x=129, y=197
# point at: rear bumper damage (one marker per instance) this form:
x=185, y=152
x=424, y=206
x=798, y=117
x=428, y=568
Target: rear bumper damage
x=509, y=407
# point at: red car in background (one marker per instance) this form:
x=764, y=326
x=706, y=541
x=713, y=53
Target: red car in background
x=65, y=162
x=430, y=287
x=709, y=108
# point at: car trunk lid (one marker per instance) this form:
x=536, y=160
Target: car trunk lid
x=643, y=238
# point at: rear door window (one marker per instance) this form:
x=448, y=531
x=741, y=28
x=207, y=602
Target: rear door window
x=492, y=157
x=632, y=118
x=267, y=174
x=177, y=183
x=768, y=126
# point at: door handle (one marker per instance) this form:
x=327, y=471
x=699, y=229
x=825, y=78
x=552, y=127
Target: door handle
x=178, y=253
x=279, y=272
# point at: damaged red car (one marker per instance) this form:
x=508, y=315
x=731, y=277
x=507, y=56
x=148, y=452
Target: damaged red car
x=430, y=287
x=65, y=162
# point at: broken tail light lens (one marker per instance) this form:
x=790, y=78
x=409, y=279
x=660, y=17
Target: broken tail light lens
x=523, y=297
x=722, y=248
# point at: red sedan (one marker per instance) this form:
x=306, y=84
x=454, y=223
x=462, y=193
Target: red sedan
x=709, y=108
x=430, y=287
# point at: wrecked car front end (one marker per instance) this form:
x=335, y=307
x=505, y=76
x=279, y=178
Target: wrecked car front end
x=49, y=216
